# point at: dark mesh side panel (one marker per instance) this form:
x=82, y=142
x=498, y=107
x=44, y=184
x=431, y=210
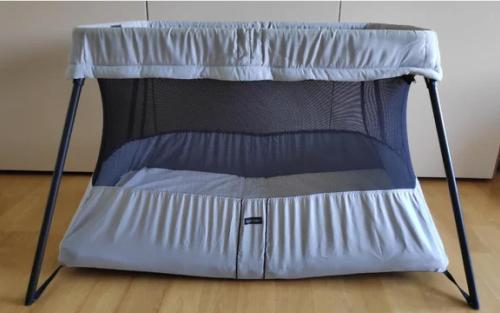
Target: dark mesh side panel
x=254, y=129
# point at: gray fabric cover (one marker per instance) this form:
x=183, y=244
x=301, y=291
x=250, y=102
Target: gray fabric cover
x=154, y=232
x=201, y=234
x=253, y=51
x=194, y=223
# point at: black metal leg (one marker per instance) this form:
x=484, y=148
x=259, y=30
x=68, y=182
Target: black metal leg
x=472, y=298
x=32, y=294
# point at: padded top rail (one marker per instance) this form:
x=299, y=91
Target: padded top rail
x=253, y=51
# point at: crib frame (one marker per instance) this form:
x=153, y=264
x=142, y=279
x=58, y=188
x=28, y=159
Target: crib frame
x=34, y=291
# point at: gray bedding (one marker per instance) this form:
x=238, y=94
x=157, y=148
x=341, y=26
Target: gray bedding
x=194, y=182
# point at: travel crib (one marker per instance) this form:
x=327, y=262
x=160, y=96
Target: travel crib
x=253, y=151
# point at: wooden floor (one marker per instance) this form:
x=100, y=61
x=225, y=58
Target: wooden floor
x=22, y=199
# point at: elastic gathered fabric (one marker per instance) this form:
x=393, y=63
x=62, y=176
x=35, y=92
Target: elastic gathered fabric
x=253, y=51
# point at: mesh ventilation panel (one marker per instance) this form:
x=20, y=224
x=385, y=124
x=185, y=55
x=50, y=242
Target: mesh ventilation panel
x=255, y=129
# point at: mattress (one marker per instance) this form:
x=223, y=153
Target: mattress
x=226, y=185
x=221, y=225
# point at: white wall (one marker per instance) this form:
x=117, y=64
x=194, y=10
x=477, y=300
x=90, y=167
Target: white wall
x=35, y=39
x=34, y=91
x=470, y=91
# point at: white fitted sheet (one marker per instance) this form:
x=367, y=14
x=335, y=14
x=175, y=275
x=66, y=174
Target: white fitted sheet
x=215, y=184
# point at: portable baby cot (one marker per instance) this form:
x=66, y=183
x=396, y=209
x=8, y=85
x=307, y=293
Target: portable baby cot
x=253, y=151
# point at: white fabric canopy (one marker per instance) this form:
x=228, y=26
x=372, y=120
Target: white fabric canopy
x=253, y=51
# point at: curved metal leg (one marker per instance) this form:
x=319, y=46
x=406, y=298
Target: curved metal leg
x=472, y=298
x=32, y=294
